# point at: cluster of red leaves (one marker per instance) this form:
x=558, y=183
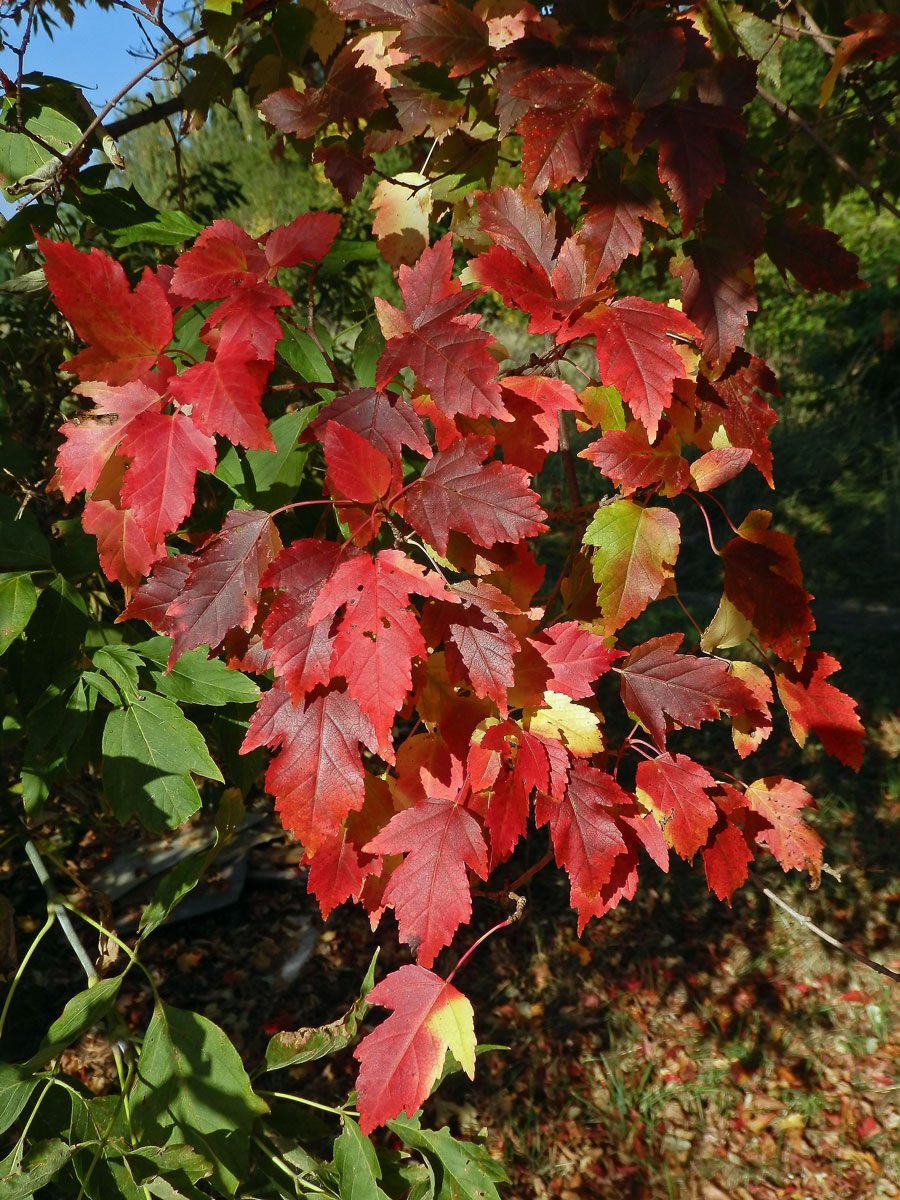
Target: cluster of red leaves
x=424, y=705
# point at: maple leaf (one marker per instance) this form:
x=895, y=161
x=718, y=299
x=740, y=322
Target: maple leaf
x=490, y=503
x=306, y=239
x=779, y=802
x=736, y=398
x=812, y=255
x=764, y=582
x=429, y=891
x=152, y=601
x=301, y=653
x=813, y=705
x=726, y=857
x=529, y=762
x=225, y=393
x=486, y=646
x=125, y=330
x=92, y=438
x=611, y=228
x=636, y=551
x=317, y=775
x=167, y=452
x=877, y=37
x=223, y=257
x=402, y=207
x=691, y=137
x=448, y=355
x=676, y=788
x=338, y=872
x=573, y=659
x=649, y=64
x=378, y=635
x=717, y=295
x=534, y=402
x=125, y=552
x=635, y=354
x=222, y=589
x=515, y=221
x=246, y=324
x=717, y=466
x=344, y=167
x=401, y=1060
x=356, y=468
x=586, y=838
x=658, y=682
x=447, y=33
x=568, y=110
x=751, y=728
x=386, y=422
x=627, y=458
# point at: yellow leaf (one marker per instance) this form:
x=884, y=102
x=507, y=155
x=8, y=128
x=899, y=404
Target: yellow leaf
x=453, y=1024
x=567, y=722
x=402, y=211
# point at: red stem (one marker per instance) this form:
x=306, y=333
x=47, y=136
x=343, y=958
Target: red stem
x=709, y=532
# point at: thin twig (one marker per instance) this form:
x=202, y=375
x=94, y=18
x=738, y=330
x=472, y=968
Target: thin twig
x=826, y=937
x=54, y=907
x=877, y=197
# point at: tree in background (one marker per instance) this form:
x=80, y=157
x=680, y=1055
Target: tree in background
x=440, y=578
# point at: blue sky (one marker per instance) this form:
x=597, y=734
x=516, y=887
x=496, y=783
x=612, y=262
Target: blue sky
x=93, y=53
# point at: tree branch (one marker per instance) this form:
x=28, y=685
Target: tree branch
x=826, y=937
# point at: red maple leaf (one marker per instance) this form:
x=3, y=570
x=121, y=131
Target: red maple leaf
x=574, y=659
x=736, y=399
x=611, y=227
x=400, y=1061
x=338, y=872
x=152, y=601
x=726, y=857
x=490, y=503
x=813, y=705
x=92, y=438
x=515, y=221
x=386, y=422
x=587, y=841
x=167, y=451
x=717, y=295
x=439, y=342
x=635, y=353
x=447, y=33
x=627, y=457
x=125, y=330
x=225, y=393
x=779, y=802
x=317, y=776
x=678, y=788
x=764, y=582
x=356, y=468
x=222, y=589
x=306, y=239
x=486, y=647
x=691, y=137
x=223, y=257
x=378, y=635
x=568, y=110
x=658, y=682
x=125, y=552
x=429, y=891
x=812, y=255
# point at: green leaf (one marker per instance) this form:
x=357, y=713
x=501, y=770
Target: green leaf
x=269, y=478
x=102, y=686
x=302, y=355
x=343, y=252
x=196, y=679
x=121, y=665
x=192, y=1087
x=80, y=1014
x=19, y=155
x=15, y=1090
x=306, y=1045
x=357, y=1162
x=43, y=1161
x=367, y=349
x=213, y=80
x=464, y=1170
x=148, y=749
x=18, y=599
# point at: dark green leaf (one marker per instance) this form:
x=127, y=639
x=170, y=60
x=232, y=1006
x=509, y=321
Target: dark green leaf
x=196, y=679
x=464, y=1170
x=43, y=1161
x=192, y=1087
x=15, y=1089
x=121, y=665
x=80, y=1014
x=357, y=1162
x=18, y=599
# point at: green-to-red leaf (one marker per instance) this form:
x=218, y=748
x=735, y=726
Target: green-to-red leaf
x=635, y=555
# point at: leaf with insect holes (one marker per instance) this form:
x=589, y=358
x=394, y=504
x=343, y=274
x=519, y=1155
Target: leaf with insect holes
x=125, y=330
x=92, y=437
x=317, y=776
x=635, y=555
x=779, y=802
x=816, y=706
x=222, y=590
x=400, y=1060
x=429, y=891
x=658, y=682
x=490, y=503
x=676, y=789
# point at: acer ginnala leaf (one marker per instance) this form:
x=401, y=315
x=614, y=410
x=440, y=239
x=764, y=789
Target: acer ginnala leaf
x=432, y=693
